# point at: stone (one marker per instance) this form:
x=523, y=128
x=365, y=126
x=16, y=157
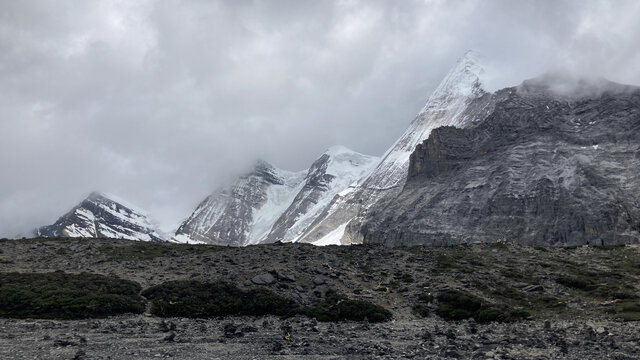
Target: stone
x=533, y=288
x=263, y=279
x=286, y=277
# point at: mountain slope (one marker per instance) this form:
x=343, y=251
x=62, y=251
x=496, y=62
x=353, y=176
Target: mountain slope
x=270, y=204
x=335, y=173
x=243, y=213
x=100, y=215
x=556, y=162
x=450, y=105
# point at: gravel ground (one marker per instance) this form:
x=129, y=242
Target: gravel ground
x=581, y=328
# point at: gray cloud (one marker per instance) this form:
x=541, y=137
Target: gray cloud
x=160, y=102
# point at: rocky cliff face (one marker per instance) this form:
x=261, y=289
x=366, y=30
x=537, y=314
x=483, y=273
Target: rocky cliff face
x=100, y=215
x=555, y=162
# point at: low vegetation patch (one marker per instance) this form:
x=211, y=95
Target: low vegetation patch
x=421, y=308
x=336, y=307
x=194, y=299
x=201, y=300
x=459, y=305
x=59, y=295
x=575, y=282
x=142, y=250
x=628, y=310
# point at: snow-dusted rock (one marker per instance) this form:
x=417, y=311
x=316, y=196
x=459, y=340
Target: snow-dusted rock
x=271, y=204
x=243, y=213
x=101, y=215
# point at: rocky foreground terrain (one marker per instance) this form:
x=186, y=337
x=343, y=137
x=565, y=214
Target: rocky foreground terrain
x=571, y=303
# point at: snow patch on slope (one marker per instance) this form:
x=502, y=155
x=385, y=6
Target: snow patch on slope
x=279, y=197
x=332, y=238
x=348, y=168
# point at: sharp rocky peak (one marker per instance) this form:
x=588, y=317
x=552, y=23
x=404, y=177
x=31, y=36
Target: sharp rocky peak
x=462, y=81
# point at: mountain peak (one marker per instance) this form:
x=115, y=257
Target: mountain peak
x=100, y=215
x=261, y=164
x=461, y=82
x=96, y=195
x=338, y=149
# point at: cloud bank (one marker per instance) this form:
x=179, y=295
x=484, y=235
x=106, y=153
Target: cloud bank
x=162, y=101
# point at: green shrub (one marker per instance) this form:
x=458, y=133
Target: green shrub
x=420, y=310
x=425, y=298
x=336, y=307
x=576, y=283
x=201, y=300
x=404, y=277
x=459, y=305
x=610, y=247
x=490, y=314
x=58, y=295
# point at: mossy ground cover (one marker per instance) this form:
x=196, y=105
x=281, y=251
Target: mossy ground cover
x=202, y=300
x=59, y=295
x=337, y=307
x=459, y=305
x=421, y=307
x=589, y=278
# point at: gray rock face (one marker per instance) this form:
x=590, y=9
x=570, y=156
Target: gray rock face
x=555, y=162
x=101, y=216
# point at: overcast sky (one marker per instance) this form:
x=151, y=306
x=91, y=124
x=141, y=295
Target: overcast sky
x=159, y=102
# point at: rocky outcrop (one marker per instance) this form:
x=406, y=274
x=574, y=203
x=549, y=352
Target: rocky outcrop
x=555, y=162
x=100, y=215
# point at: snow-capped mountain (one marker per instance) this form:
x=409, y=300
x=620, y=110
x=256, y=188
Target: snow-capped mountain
x=322, y=205
x=244, y=212
x=334, y=174
x=101, y=215
x=271, y=204
x=449, y=105
x=325, y=206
